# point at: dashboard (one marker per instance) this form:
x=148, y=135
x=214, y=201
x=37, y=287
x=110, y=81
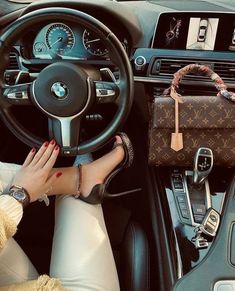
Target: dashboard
x=159, y=37
x=69, y=41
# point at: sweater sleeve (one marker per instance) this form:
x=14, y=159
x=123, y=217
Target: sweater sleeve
x=44, y=283
x=11, y=213
x=12, y=207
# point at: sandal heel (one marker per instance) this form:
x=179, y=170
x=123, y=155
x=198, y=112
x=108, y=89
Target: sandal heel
x=99, y=192
x=96, y=195
x=124, y=193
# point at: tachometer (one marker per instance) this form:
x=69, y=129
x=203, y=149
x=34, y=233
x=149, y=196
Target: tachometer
x=60, y=38
x=93, y=44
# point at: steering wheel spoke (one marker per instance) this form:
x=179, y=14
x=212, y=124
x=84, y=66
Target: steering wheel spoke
x=17, y=94
x=66, y=131
x=106, y=92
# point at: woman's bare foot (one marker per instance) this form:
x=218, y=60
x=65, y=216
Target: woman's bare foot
x=96, y=172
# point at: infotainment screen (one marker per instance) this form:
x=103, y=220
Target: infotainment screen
x=195, y=31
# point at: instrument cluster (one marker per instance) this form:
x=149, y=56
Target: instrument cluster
x=64, y=41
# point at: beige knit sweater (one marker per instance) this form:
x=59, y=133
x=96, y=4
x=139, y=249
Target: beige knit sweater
x=8, y=228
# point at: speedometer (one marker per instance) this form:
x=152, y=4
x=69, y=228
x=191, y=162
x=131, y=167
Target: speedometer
x=59, y=38
x=93, y=44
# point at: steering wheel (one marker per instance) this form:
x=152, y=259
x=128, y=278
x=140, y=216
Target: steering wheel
x=64, y=91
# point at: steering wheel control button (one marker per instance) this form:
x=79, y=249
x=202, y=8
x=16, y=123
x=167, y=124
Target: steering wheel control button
x=59, y=90
x=13, y=77
x=106, y=92
x=16, y=94
x=62, y=90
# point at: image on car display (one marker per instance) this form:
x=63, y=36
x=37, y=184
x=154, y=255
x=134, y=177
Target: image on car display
x=232, y=45
x=117, y=149
x=172, y=35
x=202, y=33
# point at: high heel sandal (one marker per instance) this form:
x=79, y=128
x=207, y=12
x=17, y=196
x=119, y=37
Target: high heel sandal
x=99, y=191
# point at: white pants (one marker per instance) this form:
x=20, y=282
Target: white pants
x=81, y=253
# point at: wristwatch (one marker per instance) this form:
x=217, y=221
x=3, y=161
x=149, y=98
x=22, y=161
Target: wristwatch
x=20, y=194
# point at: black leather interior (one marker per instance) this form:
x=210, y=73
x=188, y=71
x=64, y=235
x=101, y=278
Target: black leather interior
x=134, y=260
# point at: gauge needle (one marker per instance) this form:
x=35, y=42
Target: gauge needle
x=93, y=40
x=58, y=40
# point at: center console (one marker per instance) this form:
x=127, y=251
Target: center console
x=195, y=199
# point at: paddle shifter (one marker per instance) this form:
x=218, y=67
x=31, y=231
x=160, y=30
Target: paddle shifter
x=203, y=163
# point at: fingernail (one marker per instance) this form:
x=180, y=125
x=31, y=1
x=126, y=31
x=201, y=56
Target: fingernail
x=46, y=144
x=57, y=148
x=58, y=174
x=33, y=150
x=52, y=142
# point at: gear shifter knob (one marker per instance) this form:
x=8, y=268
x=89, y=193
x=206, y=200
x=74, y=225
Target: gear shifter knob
x=203, y=163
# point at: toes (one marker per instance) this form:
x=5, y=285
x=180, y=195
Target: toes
x=118, y=139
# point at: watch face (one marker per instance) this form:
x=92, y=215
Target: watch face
x=19, y=195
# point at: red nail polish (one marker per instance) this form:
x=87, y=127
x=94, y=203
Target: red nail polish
x=46, y=144
x=58, y=174
x=52, y=142
x=57, y=148
x=33, y=150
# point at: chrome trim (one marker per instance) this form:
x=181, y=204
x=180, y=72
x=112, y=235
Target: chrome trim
x=137, y=66
x=189, y=173
x=64, y=121
x=17, y=85
x=208, y=194
x=222, y=202
x=110, y=93
x=188, y=82
x=179, y=260
x=13, y=95
x=18, y=76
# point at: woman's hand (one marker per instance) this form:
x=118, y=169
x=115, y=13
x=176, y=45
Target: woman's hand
x=34, y=175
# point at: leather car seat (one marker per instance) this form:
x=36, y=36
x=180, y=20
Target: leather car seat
x=134, y=264
x=130, y=248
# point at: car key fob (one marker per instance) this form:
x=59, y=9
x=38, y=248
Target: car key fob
x=210, y=223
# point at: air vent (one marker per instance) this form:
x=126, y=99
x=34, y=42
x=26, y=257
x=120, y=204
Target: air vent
x=13, y=62
x=164, y=67
x=167, y=67
x=225, y=70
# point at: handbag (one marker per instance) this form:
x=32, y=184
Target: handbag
x=179, y=125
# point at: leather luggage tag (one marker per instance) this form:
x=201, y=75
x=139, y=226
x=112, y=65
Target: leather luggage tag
x=176, y=137
x=177, y=141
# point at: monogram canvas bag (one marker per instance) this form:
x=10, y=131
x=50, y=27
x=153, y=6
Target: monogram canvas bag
x=181, y=124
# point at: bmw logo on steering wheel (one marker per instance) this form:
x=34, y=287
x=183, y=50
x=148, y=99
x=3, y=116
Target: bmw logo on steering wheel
x=59, y=90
